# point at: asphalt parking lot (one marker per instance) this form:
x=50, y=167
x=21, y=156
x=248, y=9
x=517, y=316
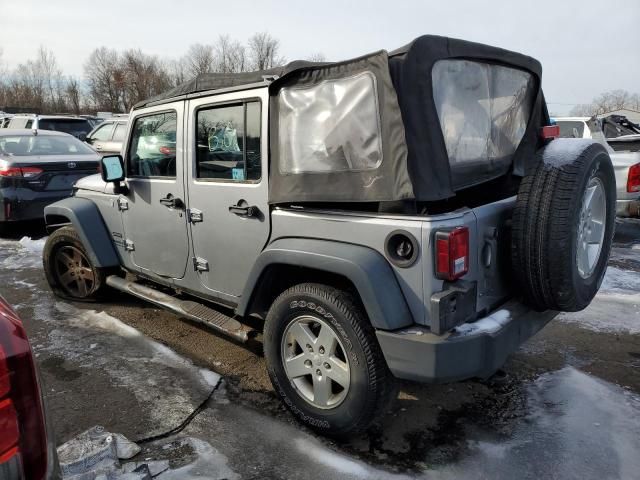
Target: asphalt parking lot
x=569, y=406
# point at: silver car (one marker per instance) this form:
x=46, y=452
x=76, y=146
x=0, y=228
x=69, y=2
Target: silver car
x=108, y=136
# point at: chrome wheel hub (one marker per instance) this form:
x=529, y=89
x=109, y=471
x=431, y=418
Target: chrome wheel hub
x=316, y=362
x=591, y=225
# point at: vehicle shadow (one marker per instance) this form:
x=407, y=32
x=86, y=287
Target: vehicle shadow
x=34, y=229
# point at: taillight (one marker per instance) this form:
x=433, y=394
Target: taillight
x=549, y=132
x=26, y=172
x=10, y=430
x=23, y=442
x=452, y=253
x=633, y=181
x=30, y=171
x=10, y=172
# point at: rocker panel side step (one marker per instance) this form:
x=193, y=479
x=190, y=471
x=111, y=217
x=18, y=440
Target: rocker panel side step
x=185, y=308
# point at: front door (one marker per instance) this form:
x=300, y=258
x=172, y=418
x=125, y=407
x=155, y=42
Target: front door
x=228, y=188
x=101, y=137
x=153, y=212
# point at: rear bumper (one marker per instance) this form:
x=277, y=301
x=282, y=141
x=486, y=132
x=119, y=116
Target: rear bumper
x=474, y=349
x=628, y=208
x=23, y=204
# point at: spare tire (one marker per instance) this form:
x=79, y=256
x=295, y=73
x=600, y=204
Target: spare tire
x=563, y=225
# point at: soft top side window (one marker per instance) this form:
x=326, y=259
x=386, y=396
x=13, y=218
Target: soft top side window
x=152, y=151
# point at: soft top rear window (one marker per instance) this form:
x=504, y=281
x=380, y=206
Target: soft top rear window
x=483, y=111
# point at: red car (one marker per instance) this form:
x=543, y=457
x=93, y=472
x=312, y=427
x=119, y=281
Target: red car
x=25, y=449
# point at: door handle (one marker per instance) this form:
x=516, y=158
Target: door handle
x=244, y=210
x=98, y=147
x=171, y=202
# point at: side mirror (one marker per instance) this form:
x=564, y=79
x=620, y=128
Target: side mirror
x=112, y=168
x=89, y=140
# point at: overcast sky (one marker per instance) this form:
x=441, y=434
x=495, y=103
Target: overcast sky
x=586, y=47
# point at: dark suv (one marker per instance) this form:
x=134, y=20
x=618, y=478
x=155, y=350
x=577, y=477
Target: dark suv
x=77, y=126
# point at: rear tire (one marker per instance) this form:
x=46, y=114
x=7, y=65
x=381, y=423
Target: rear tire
x=321, y=330
x=68, y=268
x=563, y=226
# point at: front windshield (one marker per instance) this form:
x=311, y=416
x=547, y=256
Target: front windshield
x=25, y=145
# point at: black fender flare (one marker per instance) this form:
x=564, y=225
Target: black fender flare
x=85, y=217
x=366, y=268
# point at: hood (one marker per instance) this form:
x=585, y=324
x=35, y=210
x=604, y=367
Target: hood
x=93, y=183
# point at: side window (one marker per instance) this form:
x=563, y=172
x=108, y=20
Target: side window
x=103, y=133
x=228, y=143
x=28, y=124
x=152, y=151
x=121, y=130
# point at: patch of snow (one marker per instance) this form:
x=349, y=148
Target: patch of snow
x=489, y=324
x=619, y=280
x=33, y=246
x=209, y=463
x=616, y=307
x=212, y=378
x=22, y=283
x=567, y=412
x=20, y=255
x=346, y=467
x=614, y=313
x=98, y=341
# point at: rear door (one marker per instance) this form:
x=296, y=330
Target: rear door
x=153, y=211
x=227, y=183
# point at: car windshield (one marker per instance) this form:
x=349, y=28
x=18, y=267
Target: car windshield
x=24, y=145
x=571, y=129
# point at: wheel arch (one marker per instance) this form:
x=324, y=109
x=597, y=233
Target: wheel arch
x=360, y=270
x=86, y=219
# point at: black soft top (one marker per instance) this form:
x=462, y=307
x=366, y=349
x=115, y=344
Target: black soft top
x=415, y=165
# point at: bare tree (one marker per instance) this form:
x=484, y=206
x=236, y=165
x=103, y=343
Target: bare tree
x=178, y=71
x=199, y=59
x=608, y=102
x=105, y=79
x=144, y=77
x=230, y=55
x=73, y=95
x=317, y=57
x=264, y=51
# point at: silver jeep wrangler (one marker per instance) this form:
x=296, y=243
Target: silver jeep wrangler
x=406, y=214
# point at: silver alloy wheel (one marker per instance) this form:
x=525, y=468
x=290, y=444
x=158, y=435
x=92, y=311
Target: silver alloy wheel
x=316, y=362
x=591, y=226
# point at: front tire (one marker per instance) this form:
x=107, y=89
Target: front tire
x=324, y=360
x=68, y=268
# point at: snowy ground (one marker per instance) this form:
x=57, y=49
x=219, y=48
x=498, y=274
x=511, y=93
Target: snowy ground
x=569, y=409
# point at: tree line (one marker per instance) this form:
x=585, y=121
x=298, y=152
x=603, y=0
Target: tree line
x=608, y=102
x=114, y=80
